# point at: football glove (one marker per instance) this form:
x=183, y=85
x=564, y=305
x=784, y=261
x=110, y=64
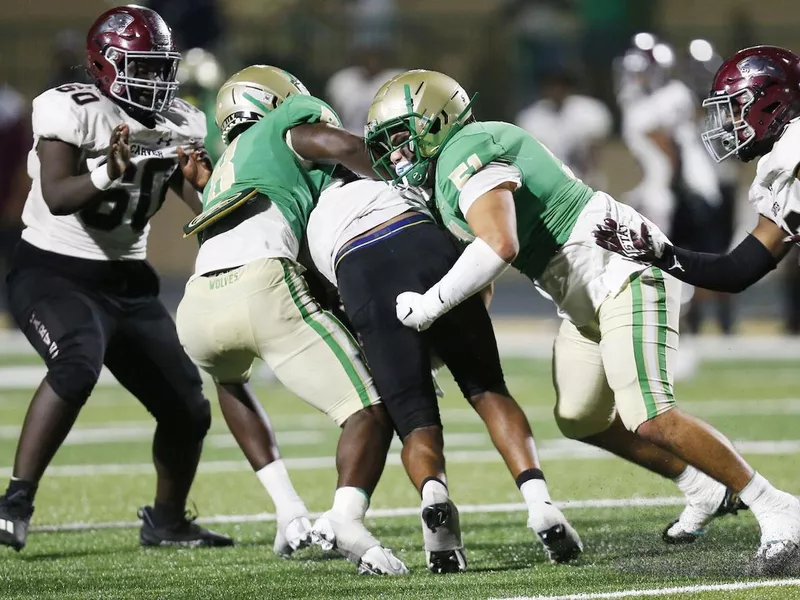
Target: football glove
x=647, y=246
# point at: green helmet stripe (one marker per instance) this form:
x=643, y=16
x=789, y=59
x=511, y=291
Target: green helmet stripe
x=256, y=102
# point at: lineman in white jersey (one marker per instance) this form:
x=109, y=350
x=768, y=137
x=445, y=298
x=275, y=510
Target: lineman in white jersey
x=753, y=111
x=372, y=241
x=80, y=288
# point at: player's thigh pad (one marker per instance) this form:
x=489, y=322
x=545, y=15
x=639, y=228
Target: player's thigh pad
x=639, y=340
x=309, y=350
x=584, y=401
x=67, y=328
x=213, y=320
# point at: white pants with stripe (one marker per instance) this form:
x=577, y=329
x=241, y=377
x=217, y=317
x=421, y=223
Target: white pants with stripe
x=264, y=309
x=623, y=362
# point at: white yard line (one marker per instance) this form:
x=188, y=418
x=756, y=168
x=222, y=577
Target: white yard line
x=548, y=450
x=688, y=589
x=380, y=513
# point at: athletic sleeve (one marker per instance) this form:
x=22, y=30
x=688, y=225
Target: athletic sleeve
x=489, y=177
x=56, y=117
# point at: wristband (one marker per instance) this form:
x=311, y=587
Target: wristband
x=100, y=178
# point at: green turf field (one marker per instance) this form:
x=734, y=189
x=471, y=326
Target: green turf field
x=102, y=475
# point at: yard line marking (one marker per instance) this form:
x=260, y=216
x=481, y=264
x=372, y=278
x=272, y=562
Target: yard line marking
x=688, y=589
x=381, y=513
x=561, y=449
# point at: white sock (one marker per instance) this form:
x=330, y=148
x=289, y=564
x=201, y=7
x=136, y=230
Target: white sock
x=275, y=479
x=760, y=496
x=351, y=502
x=694, y=483
x=535, y=492
x=434, y=492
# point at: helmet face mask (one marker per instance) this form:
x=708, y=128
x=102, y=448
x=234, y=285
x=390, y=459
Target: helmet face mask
x=727, y=132
x=411, y=119
x=144, y=80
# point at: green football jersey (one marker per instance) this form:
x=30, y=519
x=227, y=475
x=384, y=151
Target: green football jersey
x=260, y=159
x=548, y=202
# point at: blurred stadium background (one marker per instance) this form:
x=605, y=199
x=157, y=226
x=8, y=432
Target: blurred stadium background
x=502, y=49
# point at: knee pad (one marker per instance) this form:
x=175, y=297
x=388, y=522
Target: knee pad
x=73, y=378
x=188, y=422
x=577, y=422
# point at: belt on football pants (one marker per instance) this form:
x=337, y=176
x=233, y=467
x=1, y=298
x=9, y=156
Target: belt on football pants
x=380, y=234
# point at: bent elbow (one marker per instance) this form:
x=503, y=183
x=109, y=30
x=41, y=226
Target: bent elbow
x=507, y=250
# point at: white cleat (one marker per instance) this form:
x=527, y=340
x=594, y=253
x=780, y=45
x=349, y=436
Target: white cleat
x=779, y=552
x=441, y=532
x=560, y=540
x=292, y=536
x=699, y=512
x=353, y=540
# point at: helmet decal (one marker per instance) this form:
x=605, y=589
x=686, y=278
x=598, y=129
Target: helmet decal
x=116, y=24
x=759, y=65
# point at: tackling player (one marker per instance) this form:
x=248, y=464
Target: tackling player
x=506, y=195
x=375, y=242
x=247, y=299
x=80, y=288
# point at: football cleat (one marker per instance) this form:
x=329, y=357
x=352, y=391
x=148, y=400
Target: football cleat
x=695, y=517
x=779, y=552
x=16, y=511
x=353, y=540
x=182, y=532
x=291, y=536
x=441, y=532
x=560, y=540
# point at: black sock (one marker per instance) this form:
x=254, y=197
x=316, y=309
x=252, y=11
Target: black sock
x=529, y=474
x=25, y=488
x=166, y=514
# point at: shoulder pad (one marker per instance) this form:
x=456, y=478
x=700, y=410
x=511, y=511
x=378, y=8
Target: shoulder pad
x=299, y=109
x=785, y=154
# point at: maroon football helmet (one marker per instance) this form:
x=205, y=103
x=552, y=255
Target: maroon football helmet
x=132, y=58
x=755, y=94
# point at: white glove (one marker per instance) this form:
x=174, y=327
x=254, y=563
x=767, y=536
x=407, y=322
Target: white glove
x=418, y=311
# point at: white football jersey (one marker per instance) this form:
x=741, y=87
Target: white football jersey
x=775, y=191
x=568, y=131
x=115, y=228
x=346, y=211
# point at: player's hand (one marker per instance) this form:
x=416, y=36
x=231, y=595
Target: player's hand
x=642, y=247
x=196, y=166
x=412, y=312
x=119, y=152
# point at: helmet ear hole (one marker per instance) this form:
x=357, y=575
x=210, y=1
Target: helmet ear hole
x=771, y=108
x=436, y=127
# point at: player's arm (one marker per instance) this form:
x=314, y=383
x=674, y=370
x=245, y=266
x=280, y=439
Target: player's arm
x=492, y=218
x=326, y=143
x=64, y=190
x=757, y=255
x=190, y=180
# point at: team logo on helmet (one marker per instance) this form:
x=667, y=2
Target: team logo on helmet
x=759, y=65
x=117, y=24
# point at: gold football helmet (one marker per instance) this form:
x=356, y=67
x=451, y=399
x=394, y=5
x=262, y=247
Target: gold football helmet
x=251, y=93
x=429, y=107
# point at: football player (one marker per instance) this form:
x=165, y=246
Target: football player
x=505, y=194
x=247, y=299
x=374, y=242
x=80, y=288
x=752, y=113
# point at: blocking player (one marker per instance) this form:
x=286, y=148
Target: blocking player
x=506, y=195
x=80, y=288
x=248, y=299
x=374, y=242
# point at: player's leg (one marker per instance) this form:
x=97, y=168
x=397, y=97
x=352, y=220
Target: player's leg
x=399, y=359
x=213, y=323
x=639, y=337
x=315, y=357
x=146, y=357
x=585, y=411
x=67, y=330
x=464, y=339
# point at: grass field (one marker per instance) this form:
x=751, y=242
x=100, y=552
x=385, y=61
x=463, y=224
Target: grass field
x=103, y=474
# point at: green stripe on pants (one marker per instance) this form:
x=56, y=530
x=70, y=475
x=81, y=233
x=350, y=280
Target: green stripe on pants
x=338, y=351
x=661, y=307
x=639, y=345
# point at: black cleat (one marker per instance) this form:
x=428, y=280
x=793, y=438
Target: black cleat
x=16, y=511
x=444, y=550
x=183, y=532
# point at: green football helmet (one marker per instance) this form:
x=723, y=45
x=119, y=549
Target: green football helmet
x=250, y=94
x=430, y=107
